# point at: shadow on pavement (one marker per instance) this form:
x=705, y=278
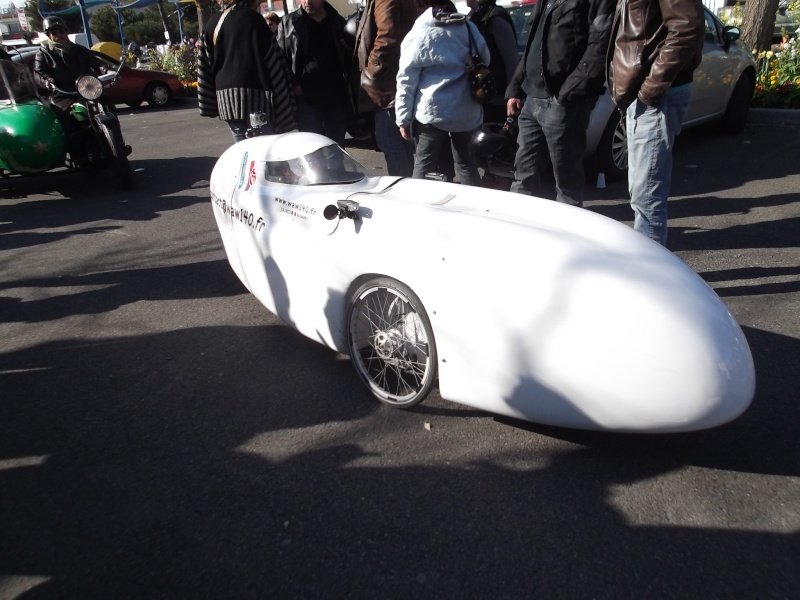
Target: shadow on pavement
x=126, y=489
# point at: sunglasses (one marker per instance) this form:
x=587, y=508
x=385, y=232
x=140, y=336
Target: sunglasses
x=57, y=30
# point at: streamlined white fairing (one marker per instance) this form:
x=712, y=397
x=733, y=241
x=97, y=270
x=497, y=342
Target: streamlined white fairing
x=523, y=307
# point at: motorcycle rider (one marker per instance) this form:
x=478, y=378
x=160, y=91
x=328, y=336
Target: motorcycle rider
x=60, y=62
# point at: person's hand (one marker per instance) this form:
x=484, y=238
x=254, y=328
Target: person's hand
x=514, y=107
x=406, y=133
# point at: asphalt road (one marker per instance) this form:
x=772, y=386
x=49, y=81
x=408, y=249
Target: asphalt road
x=163, y=436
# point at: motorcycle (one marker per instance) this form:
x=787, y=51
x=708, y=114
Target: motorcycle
x=34, y=140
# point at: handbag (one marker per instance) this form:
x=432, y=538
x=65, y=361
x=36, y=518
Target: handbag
x=481, y=81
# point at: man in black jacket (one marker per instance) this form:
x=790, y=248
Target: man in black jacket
x=311, y=40
x=554, y=89
x=60, y=62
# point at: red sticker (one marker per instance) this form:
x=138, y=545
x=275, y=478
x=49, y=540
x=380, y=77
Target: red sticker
x=251, y=177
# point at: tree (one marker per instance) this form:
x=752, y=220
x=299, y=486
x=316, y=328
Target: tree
x=141, y=26
x=34, y=15
x=204, y=10
x=105, y=26
x=758, y=23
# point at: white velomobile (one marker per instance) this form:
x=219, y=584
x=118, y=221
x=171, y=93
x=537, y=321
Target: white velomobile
x=516, y=305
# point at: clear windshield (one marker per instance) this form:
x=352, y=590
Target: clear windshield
x=326, y=166
x=17, y=82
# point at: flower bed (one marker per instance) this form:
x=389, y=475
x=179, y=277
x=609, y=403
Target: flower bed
x=778, y=78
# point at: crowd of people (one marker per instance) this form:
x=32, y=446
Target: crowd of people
x=407, y=63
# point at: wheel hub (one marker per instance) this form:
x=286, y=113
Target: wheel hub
x=387, y=343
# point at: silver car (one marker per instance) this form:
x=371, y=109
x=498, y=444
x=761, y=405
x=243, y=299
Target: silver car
x=722, y=89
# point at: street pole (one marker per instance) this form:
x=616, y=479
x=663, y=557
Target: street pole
x=85, y=20
x=180, y=21
x=119, y=22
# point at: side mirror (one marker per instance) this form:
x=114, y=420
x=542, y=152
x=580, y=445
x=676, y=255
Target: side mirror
x=729, y=35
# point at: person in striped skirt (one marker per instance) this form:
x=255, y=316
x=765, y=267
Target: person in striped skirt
x=242, y=71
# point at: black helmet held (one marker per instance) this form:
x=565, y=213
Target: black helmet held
x=493, y=149
x=53, y=22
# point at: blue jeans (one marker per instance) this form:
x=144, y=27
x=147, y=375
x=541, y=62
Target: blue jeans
x=549, y=130
x=431, y=143
x=399, y=153
x=330, y=121
x=239, y=129
x=651, y=134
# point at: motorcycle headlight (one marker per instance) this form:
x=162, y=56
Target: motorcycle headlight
x=89, y=87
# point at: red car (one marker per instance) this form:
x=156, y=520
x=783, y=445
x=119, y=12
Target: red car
x=134, y=86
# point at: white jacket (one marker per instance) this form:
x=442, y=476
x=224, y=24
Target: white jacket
x=433, y=83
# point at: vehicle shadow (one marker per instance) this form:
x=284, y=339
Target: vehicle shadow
x=103, y=292
x=194, y=464
x=61, y=199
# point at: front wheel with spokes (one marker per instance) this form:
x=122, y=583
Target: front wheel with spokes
x=391, y=343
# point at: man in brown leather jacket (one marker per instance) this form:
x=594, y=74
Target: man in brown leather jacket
x=381, y=29
x=656, y=46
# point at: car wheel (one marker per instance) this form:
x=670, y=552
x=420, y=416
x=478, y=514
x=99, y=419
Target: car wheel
x=611, y=156
x=158, y=94
x=735, y=117
x=390, y=340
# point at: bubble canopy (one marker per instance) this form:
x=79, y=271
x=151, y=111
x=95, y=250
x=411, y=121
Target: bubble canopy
x=309, y=159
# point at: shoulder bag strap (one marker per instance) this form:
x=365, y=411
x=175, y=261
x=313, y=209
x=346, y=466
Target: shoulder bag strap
x=472, y=48
x=219, y=25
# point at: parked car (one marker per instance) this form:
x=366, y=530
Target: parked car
x=134, y=86
x=722, y=89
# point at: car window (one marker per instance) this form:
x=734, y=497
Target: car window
x=109, y=62
x=712, y=29
x=521, y=16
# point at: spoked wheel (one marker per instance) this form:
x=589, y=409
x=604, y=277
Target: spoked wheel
x=118, y=158
x=391, y=342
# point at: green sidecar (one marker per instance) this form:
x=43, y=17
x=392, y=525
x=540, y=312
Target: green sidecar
x=33, y=139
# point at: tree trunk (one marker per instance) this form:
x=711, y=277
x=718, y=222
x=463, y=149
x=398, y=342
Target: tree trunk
x=758, y=23
x=203, y=14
